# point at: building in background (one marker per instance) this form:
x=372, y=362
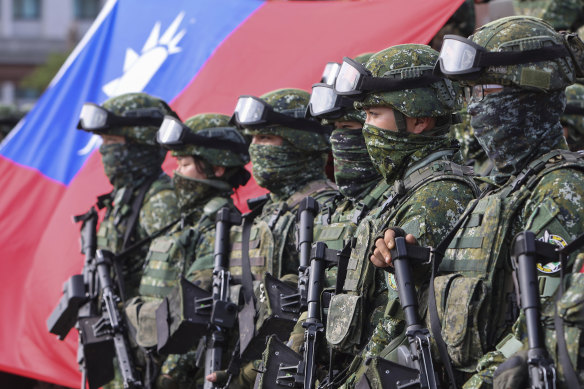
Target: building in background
x=38, y=33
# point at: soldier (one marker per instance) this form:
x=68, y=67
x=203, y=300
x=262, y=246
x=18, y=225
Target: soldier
x=409, y=114
x=561, y=14
x=288, y=154
x=143, y=200
x=517, y=83
x=205, y=178
x=573, y=118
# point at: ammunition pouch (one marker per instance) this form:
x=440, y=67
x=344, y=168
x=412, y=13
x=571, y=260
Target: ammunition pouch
x=463, y=314
x=344, y=322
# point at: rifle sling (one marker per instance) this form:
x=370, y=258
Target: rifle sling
x=247, y=314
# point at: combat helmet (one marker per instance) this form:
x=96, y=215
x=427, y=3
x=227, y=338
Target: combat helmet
x=281, y=112
x=135, y=116
x=519, y=51
x=222, y=144
x=409, y=87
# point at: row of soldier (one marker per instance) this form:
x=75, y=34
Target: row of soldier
x=400, y=178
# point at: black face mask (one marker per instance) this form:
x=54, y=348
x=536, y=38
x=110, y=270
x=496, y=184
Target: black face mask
x=515, y=126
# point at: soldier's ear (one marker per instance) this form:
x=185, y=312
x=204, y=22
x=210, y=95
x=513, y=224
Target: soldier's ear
x=419, y=125
x=218, y=171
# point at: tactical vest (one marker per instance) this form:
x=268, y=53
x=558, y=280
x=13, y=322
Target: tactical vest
x=268, y=234
x=122, y=209
x=169, y=256
x=475, y=295
x=349, y=311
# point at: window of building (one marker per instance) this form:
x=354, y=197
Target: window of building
x=85, y=9
x=26, y=9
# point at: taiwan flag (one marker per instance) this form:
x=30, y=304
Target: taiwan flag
x=197, y=55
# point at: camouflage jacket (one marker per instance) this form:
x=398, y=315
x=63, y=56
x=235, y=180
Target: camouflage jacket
x=158, y=208
x=426, y=203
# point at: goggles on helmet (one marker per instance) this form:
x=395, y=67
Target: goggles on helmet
x=354, y=79
x=252, y=111
x=173, y=135
x=325, y=103
x=97, y=119
x=330, y=72
x=464, y=58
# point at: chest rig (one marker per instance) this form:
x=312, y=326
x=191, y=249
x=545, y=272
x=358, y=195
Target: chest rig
x=475, y=296
x=349, y=310
x=170, y=255
x=269, y=232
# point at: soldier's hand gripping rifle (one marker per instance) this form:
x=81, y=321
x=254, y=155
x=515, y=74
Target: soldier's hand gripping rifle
x=527, y=253
x=415, y=368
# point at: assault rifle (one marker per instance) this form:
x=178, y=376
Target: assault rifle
x=415, y=368
x=100, y=336
x=285, y=301
x=206, y=316
x=284, y=367
x=527, y=253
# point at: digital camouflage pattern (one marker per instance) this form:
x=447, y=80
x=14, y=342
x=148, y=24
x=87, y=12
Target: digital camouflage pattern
x=393, y=152
x=471, y=150
x=407, y=61
x=353, y=169
x=522, y=33
x=291, y=102
x=530, y=119
x=571, y=310
x=125, y=163
x=573, y=122
x=561, y=14
x=120, y=105
x=284, y=169
x=207, y=124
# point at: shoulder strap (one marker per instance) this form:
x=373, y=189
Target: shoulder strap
x=364, y=206
x=311, y=189
x=136, y=206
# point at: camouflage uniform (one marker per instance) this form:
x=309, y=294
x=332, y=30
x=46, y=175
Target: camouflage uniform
x=574, y=123
x=291, y=172
x=9, y=116
x=425, y=199
x=561, y=14
x=143, y=200
x=539, y=185
x=189, y=240
x=472, y=152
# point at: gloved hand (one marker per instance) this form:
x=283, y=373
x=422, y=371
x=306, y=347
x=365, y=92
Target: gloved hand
x=512, y=373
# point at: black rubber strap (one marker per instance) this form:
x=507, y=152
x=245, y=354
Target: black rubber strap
x=247, y=314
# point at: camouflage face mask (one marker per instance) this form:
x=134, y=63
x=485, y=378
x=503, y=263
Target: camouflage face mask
x=393, y=152
x=284, y=169
x=191, y=192
x=514, y=126
x=354, y=171
x=129, y=163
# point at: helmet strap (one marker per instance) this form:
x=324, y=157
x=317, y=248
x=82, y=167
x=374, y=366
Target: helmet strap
x=400, y=121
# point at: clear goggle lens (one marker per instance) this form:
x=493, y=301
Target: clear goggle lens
x=347, y=79
x=457, y=56
x=329, y=75
x=322, y=99
x=249, y=110
x=92, y=116
x=170, y=131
